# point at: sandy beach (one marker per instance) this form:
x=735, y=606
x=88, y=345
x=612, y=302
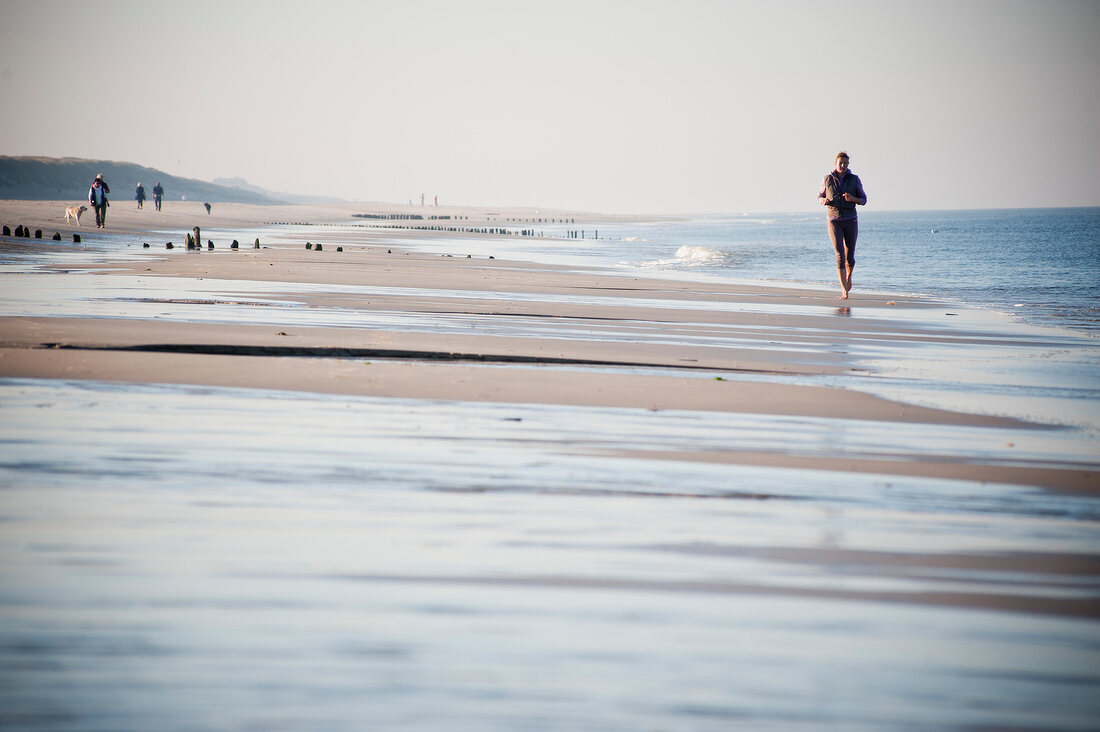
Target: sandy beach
x=786, y=386
x=391, y=362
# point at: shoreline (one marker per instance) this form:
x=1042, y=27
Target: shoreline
x=123, y=217
x=469, y=223
x=390, y=463
x=601, y=340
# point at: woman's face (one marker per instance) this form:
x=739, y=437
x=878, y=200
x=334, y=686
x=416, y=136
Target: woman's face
x=842, y=165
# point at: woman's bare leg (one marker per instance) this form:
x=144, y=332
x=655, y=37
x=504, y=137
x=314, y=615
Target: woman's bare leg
x=845, y=283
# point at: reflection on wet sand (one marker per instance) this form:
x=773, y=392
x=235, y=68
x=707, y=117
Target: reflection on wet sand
x=421, y=558
x=492, y=496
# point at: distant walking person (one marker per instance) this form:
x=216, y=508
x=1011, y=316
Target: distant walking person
x=841, y=191
x=97, y=196
x=158, y=193
x=140, y=195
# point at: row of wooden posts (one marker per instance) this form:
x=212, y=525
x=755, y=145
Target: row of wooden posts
x=581, y=234
x=22, y=232
x=195, y=242
x=407, y=217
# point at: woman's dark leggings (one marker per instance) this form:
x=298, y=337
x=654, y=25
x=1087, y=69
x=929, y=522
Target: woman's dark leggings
x=843, y=235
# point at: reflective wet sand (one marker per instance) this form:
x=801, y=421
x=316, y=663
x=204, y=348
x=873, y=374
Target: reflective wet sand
x=543, y=503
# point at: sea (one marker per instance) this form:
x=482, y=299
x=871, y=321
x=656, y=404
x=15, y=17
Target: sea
x=1040, y=265
x=188, y=558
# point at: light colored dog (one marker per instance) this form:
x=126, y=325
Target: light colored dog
x=73, y=212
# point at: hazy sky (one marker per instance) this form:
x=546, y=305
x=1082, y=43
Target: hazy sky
x=632, y=106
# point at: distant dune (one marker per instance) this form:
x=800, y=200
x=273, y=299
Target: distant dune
x=63, y=179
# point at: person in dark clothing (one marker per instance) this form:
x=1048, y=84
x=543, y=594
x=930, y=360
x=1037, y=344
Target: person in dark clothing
x=97, y=196
x=841, y=191
x=158, y=193
x=140, y=195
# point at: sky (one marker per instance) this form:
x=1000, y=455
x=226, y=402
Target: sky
x=609, y=106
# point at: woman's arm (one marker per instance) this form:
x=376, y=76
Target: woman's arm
x=860, y=198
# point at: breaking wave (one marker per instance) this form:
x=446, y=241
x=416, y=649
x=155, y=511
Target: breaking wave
x=699, y=254
x=688, y=256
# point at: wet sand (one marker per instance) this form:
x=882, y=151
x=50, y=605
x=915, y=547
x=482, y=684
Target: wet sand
x=697, y=336
x=541, y=452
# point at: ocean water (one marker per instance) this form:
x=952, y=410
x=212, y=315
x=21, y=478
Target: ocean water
x=1042, y=265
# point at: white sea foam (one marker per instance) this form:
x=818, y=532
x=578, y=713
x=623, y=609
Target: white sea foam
x=686, y=256
x=699, y=254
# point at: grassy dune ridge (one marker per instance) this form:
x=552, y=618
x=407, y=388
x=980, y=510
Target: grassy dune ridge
x=28, y=178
